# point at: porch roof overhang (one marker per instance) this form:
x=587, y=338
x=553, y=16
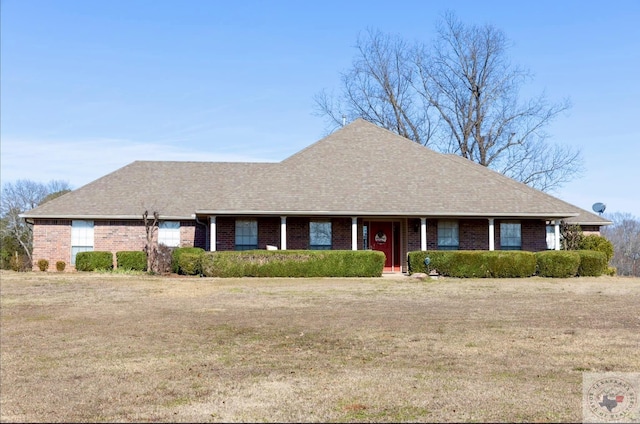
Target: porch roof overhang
x=104, y=217
x=408, y=214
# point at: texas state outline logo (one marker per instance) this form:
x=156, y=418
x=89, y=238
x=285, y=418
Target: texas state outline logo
x=611, y=397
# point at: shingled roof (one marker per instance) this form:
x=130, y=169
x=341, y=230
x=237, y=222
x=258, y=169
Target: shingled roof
x=360, y=170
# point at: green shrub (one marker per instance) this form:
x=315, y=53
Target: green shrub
x=611, y=271
x=511, y=264
x=592, y=263
x=132, y=260
x=91, y=261
x=43, y=265
x=60, y=265
x=597, y=243
x=189, y=263
x=474, y=263
x=293, y=263
x=557, y=263
x=179, y=251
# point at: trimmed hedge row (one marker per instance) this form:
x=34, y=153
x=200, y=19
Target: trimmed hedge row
x=187, y=260
x=133, y=260
x=293, y=263
x=510, y=264
x=91, y=261
x=475, y=263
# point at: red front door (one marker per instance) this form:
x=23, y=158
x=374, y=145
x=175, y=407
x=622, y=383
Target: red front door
x=381, y=238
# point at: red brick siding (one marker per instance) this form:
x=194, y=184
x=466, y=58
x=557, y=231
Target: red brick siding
x=413, y=234
x=268, y=232
x=52, y=238
x=225, y=233
x=52, y=241
x=473, y=234
x=297, y=233
x=341, y=234
x=534, y=235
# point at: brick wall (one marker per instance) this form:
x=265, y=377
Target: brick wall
x=52, y=238
x=297, y=233
x=52, y=241
x=225, y=233
x=341, y=234
x=473, y=234
x=268, y=232
x=534, y=235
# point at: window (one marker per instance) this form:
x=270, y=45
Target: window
x=510, y=236
x=246, y=234
x=448, y=235
x=81, y=238
x=551, y=237
x=320, y=235
x=169, y=233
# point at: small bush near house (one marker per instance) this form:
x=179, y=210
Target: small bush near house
x=474, y=263
x=60, y=265
x=132, y=260
x=597, y=243
x=91, y=261
x=592, y=263
x=190, y=263
x=293, y=263
x=43, y=265
x=511, y=264
x=557, y=263
x=178, y=252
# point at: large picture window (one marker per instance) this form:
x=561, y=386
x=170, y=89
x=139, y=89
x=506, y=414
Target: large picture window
x=246, y=234
x=510, y=236
x=320, y=235
x=448, y=235
x=81, y=238
x=169, y=233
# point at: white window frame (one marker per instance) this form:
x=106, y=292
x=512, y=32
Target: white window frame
x=320, y=235
x=448, y=235
x=169, y=233
x=508, y=239
x=82, y=237
x=246, y=237
x=551, y=236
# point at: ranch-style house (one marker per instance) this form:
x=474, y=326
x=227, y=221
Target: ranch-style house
x=362, y=187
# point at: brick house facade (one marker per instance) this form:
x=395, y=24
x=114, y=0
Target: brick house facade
x=361, y=187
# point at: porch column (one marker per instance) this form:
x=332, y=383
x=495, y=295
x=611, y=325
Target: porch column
x=212, y=237
x=556, y=235
x=492, y=235
x=423, y=234
x=354, y=233
x=283, y=233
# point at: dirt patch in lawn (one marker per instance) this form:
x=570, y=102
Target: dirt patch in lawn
x=101, y=347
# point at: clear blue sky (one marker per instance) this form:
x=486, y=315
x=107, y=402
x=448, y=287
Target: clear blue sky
x=89, y=86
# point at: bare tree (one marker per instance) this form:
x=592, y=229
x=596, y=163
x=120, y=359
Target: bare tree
x=459, y=95
x=379, y=89
x=624, y=234
x=17, y=198
x=151, y=242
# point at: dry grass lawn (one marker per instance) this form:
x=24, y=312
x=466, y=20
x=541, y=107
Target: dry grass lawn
x=107, y=347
